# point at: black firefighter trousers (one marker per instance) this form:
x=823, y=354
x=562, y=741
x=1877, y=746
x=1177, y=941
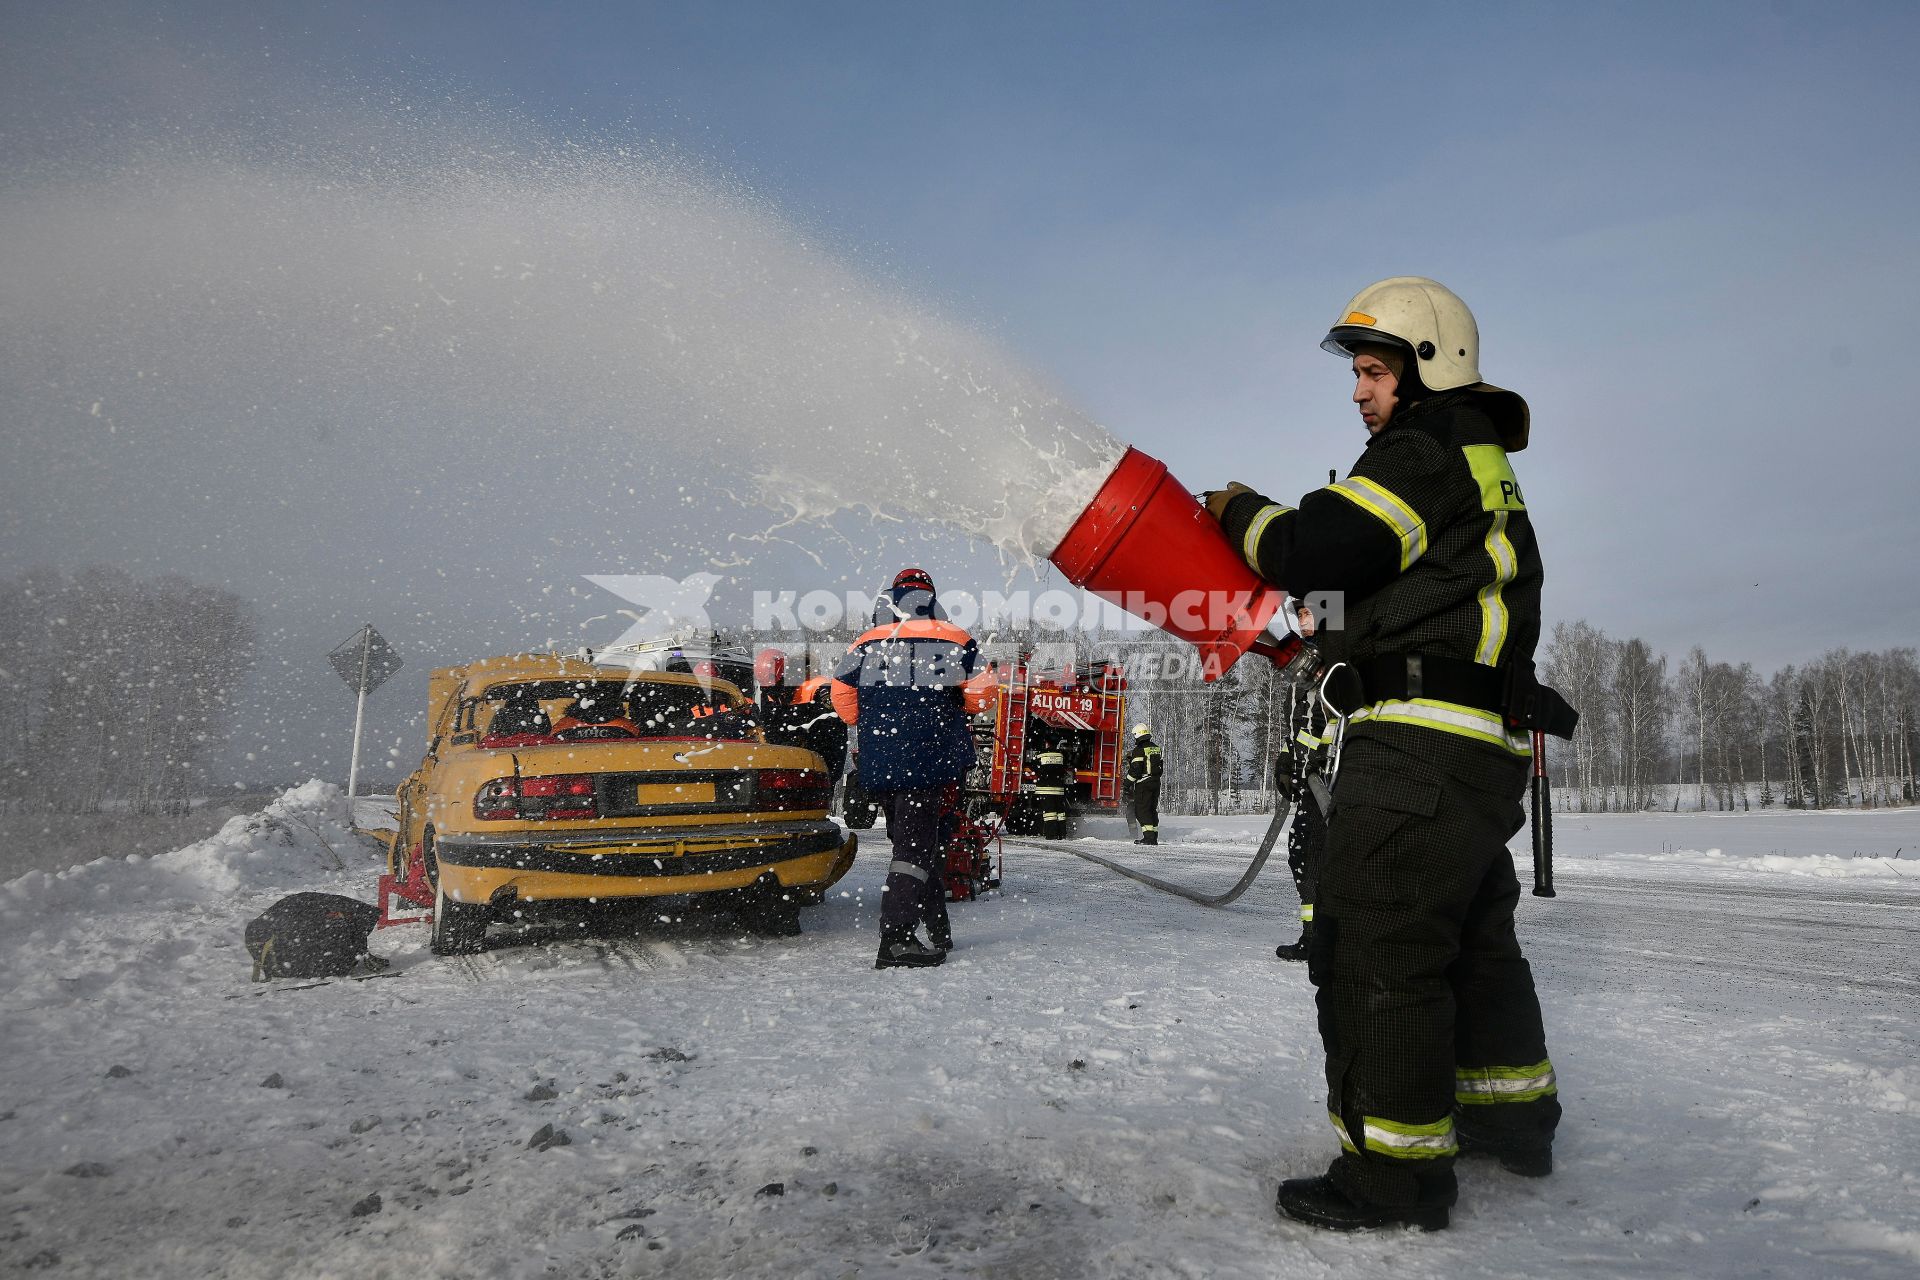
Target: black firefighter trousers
x=919, y=820
x=1427, y=1007
x=1146, y=808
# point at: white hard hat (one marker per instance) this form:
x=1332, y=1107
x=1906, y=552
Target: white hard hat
x=1422, y=315
x=1141, y=731
x=1442, y=341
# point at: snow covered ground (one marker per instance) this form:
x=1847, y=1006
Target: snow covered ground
x=1102, y=1081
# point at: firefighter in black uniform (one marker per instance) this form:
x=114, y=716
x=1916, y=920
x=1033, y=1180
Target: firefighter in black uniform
x=1306, y=837
x=1144, y=768
x=1427, y=1009
x=1050, y=785
x=1303, y=752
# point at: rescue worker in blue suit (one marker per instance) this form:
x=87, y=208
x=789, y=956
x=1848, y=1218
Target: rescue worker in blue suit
x=908, y=683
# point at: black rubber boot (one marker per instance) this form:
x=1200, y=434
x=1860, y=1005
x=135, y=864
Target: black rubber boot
x=1152, y=837
x=910, y=954
x=1296, y=950
x=1526, y=1162
x=940, y=934
x=1319, y=1203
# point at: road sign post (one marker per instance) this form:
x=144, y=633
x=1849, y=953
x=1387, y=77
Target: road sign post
x=365, y=662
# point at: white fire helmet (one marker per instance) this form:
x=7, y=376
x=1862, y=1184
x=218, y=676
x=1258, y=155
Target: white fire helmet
x=1141, y=731
x=1438, y=332
x=1420, y=314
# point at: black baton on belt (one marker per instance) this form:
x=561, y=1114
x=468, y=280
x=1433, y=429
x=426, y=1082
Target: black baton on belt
x=1542, y=821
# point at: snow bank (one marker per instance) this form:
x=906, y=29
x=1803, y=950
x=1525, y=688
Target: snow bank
x=153, y=929
x=1826, y=844
x=303, y=835
x=1806, y=864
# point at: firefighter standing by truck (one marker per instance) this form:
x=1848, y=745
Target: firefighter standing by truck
x=908, y=685
x=1144, y=770
x=1050, y=787
x=1427, y=1008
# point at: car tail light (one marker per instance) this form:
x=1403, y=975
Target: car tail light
x=551, y=798
x=793, y=789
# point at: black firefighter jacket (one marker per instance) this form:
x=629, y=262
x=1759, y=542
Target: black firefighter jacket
x=1427, y=541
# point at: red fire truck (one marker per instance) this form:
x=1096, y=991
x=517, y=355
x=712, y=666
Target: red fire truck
x=1080, y=712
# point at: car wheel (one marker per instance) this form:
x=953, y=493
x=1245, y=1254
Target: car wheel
x=459, y=928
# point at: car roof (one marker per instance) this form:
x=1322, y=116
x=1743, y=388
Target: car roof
x=520, y=668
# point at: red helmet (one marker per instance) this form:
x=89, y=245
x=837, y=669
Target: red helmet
x=912, y=578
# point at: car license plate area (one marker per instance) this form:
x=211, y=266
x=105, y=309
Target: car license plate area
x=657, y=795
x=649, y=794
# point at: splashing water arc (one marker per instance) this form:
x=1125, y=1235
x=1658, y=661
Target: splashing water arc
x=441, y=303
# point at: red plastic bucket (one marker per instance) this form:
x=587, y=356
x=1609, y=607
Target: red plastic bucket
x=1146, y=545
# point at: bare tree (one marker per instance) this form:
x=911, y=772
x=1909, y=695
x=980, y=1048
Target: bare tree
x=116, y=689
x=1640, y=703
x=1578, y=661
x=1694, y=683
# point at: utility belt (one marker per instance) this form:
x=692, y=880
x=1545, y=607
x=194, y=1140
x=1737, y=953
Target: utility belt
x=1511, y=692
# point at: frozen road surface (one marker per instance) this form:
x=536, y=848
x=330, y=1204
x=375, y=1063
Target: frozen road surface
x=1102, y=1081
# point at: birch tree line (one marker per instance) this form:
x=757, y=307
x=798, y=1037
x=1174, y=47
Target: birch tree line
x=114, y=690
x=1837, y=731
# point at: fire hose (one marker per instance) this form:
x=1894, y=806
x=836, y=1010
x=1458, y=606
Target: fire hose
x=1542, y=822
x=1247, y=877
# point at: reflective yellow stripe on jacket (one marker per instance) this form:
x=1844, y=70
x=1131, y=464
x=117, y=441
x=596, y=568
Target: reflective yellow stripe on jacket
x=1385, y=505
x=1499, y=495
x=1148, y=758
x=1250, y=541
x=1449, y=717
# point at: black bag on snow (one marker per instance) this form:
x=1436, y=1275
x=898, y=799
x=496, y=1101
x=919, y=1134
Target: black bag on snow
x=312, y=935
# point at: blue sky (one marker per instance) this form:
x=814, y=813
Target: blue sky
x=1689, y=234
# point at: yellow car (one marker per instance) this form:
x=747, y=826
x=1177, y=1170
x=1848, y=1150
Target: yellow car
x=554, y=779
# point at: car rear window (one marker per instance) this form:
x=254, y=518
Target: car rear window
x=584, y=710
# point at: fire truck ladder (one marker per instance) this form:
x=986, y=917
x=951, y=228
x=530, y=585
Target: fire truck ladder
x=1011, y=757
x=1106, y=764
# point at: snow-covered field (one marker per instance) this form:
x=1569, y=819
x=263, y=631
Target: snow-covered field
x=1102, y=1081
